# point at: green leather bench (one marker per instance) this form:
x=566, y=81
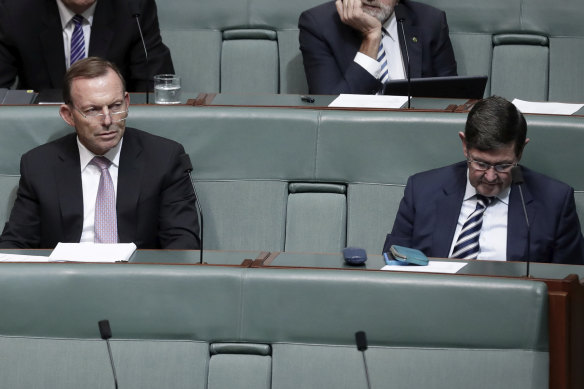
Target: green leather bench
x=301, y=180
x=530, y=49
x=224, y=327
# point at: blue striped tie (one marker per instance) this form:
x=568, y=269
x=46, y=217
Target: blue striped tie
x=77, y=40
x=467, y=244
x=382, y=58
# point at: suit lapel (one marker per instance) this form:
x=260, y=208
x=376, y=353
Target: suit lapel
x=130, y=174
x=413, y=36
x=516, y=224
x=51, y=39
x=447, y=212
x=70, y=190
x=102, y=31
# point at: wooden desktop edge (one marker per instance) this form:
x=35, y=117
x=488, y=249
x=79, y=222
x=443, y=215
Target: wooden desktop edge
x=206, y=100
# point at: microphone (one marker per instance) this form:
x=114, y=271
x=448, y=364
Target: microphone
x=517, y=179
x=361, y=340
x=106, y=334
x=401, y=23
x=188, y=168
x=135, y=12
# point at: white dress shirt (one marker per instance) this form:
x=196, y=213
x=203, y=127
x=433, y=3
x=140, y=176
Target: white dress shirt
x=68, y=27
x=493, y=236
x=392, y=53
x=90, y=175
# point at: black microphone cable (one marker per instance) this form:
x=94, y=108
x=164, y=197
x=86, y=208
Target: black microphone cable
x=401, y=23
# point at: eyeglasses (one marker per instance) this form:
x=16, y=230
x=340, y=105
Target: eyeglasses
x=483, y=166
x=116, y=111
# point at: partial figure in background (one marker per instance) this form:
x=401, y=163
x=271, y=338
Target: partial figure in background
x=40, y=39
x=354, y=46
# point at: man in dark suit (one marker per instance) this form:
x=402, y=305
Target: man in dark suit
x=340, y=44
x=35, y=39
x=440, y=213
x=58, y=198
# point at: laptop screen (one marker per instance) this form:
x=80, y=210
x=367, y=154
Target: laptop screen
x=462, y=87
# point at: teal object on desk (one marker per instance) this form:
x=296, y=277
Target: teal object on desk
x=404, y=256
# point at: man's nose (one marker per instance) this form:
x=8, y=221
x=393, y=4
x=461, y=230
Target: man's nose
x=491, y=174
x=107, y=117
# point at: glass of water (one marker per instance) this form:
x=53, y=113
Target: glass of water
x=167, y=89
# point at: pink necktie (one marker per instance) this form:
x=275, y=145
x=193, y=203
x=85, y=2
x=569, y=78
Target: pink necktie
x=106, y=224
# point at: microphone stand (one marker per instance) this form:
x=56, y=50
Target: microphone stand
x=517, y=179
x=361, y=341
x=401, y=23
x=106, y=333
x=137, y=16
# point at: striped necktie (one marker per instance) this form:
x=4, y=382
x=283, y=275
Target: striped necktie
x=77, y=40
x=467, y=244
x=382, y=58
x=106, y=220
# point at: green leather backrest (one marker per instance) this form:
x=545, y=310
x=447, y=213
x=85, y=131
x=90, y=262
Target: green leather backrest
x=8, y=187
x=210, y=61
x=554, y=70
x=301, y=180
x=170, y=322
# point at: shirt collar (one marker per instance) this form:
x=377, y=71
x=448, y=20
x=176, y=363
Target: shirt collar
x=390, y=27
x=470, y=192
x=66, y=14
x=85, y=156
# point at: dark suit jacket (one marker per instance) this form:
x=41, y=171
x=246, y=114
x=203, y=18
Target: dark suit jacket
x=429, y=211
x=31, y=43
x=155, y=201
x=329, y=46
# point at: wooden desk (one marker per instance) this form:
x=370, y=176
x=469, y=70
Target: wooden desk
x=319, y=102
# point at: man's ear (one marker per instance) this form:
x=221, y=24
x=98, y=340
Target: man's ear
x=521, y=153
x=67, y=114
x=463, y=140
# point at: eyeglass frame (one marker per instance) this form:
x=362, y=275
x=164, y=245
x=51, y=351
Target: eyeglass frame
x=102, y=116
x=484, y=166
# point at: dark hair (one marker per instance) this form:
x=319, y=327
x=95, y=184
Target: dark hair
x=494, y=123
x=91, y=67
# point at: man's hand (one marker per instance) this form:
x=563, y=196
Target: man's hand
x=352, y=14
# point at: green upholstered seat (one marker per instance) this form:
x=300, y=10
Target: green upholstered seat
x=296, y=179
x=192, y=326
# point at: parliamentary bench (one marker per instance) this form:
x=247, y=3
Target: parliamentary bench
x=194, y=326
x=300, y=179
x=530, y=49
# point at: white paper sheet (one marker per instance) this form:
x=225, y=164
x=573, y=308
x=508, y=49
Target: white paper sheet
x=368, y=101
x=433, y=267
x=92, y=252
x=547, y=107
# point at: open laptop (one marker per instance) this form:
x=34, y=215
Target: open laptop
x=461, y=87
x=16, y=96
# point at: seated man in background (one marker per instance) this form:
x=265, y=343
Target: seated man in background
x=355, y=46
x=471, y=210
x=105, y=183
x=40, y=39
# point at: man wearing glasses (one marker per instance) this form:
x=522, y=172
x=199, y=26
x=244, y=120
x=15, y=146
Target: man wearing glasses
x=470, y=209
x=105, y=183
